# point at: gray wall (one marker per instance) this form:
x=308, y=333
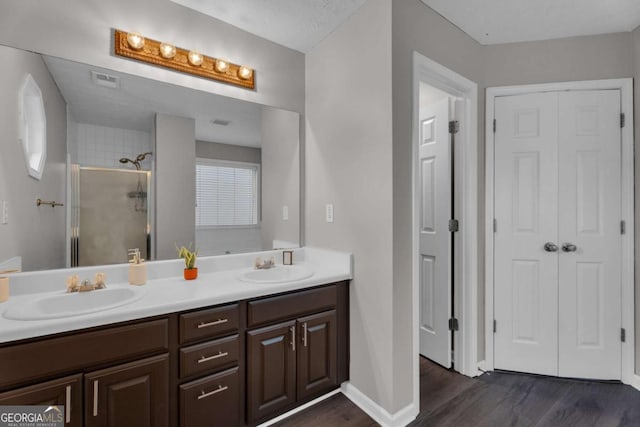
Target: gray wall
x=280, y=176
x=418, y=28
x=175, y=188
x=348, y=163
x=636, y=85
x=81, y=30
x=233, y=153
x=36, y=234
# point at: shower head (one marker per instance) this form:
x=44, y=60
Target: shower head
x=125, y=160
x=142, y=156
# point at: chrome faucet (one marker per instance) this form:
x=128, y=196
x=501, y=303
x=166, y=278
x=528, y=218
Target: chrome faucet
x=266, y=264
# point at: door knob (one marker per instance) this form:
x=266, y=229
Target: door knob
x=569, y=247
x=550, y=247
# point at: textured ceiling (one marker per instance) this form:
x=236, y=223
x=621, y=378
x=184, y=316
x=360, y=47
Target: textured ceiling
x=297, y=24
x=134, y=104
x=507, y=21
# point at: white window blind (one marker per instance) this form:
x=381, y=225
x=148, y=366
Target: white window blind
x=226, y=193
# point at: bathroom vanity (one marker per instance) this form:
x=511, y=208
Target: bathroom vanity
x=239, y=362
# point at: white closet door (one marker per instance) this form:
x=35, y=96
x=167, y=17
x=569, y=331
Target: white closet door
x=526, y=209
x=589, y=234
x=435, y=239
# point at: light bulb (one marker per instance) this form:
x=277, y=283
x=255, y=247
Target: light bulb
x=222, y=66
x=245, y=72
x=135, y=40
x=195, y=58
x=167, y=50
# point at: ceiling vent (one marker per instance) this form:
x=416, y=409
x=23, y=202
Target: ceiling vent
x=221, y=122
x=106, y=80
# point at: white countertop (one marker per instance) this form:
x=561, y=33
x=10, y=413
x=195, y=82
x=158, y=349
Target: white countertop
x=166, y=290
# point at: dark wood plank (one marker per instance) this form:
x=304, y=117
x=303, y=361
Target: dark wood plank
x=334, y=411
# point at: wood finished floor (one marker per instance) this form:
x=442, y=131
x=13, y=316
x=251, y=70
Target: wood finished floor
x=494, y=400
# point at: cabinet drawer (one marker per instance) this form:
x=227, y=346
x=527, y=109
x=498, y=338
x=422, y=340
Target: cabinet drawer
x=26, y=362
x=208, y=323
x=211, y=401
x=287, y=306
x=217, y=354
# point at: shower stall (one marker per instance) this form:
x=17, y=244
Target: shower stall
x=109, y=214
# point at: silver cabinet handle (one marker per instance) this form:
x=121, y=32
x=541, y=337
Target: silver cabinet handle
x=67, y=406
x=569, y=247
x=214, y=323
x=292, y=329
x=215, y=356
x=211, y=393
x=550, y=247
x=95, y=398
x=304, y=333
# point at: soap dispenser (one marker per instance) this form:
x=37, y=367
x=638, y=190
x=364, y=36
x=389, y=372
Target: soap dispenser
x=137, y=268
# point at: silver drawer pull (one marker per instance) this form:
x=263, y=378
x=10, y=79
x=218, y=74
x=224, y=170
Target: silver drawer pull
x=214, y=323
x=211, y=393
x=215, y=356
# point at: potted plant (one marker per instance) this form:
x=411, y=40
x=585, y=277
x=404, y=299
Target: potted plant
x=189, y=256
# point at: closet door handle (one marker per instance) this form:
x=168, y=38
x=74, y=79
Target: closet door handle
x=569, y=247
x=550, y=247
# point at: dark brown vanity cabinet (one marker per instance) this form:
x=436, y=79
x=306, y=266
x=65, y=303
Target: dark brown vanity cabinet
x=229, y=365
x=131, y=394
x=293, y=361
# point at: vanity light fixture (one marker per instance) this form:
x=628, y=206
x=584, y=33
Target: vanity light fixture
x=135, y=41
x=135, y=46
x=167, y=50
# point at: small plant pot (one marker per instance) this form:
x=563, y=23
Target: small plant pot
x=190, y=273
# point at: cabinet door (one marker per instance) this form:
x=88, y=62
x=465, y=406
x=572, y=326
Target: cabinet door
x=271, y=369
x=317, y=354
x=134, y=394
x=65, y=391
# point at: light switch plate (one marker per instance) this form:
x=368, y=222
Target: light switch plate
x=329, y=213
x=285, y=213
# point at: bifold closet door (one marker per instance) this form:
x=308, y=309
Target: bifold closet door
x=526, y=210
x=589, y=215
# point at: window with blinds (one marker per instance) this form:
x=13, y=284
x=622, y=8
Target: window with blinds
x=226, y=193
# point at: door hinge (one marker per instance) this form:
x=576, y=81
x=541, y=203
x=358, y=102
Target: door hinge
x=454, y=225
x=623, y=227
x=623, y=335
x=622, y=120
x=454, y=126
x=494, y=125
x=495, y=326
x=495, y=225
x=453, y=324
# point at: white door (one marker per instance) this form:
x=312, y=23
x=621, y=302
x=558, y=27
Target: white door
x=589, y=219
x=434, y=166
x=526, y=206
x=557, y=244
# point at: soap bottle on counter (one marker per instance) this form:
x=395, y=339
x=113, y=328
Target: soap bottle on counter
x=137, y=268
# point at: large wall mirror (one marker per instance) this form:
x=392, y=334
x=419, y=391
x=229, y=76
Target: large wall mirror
x=143, y=164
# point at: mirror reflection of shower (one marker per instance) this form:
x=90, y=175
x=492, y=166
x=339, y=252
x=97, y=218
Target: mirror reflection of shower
x=140, y=195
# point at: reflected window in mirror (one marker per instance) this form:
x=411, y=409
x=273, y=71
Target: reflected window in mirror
x=227, y=193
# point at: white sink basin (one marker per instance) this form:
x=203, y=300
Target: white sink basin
x=277, y=274
x=74, y=304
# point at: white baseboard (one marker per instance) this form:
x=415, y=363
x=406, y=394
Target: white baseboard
x=635, y=382
x=378, y=413
x=299, y=408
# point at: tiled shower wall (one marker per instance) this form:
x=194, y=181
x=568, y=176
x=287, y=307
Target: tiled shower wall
x=103, y=146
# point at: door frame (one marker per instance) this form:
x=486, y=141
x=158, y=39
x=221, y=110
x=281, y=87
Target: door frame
x=466, y=202
x=627, y=293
